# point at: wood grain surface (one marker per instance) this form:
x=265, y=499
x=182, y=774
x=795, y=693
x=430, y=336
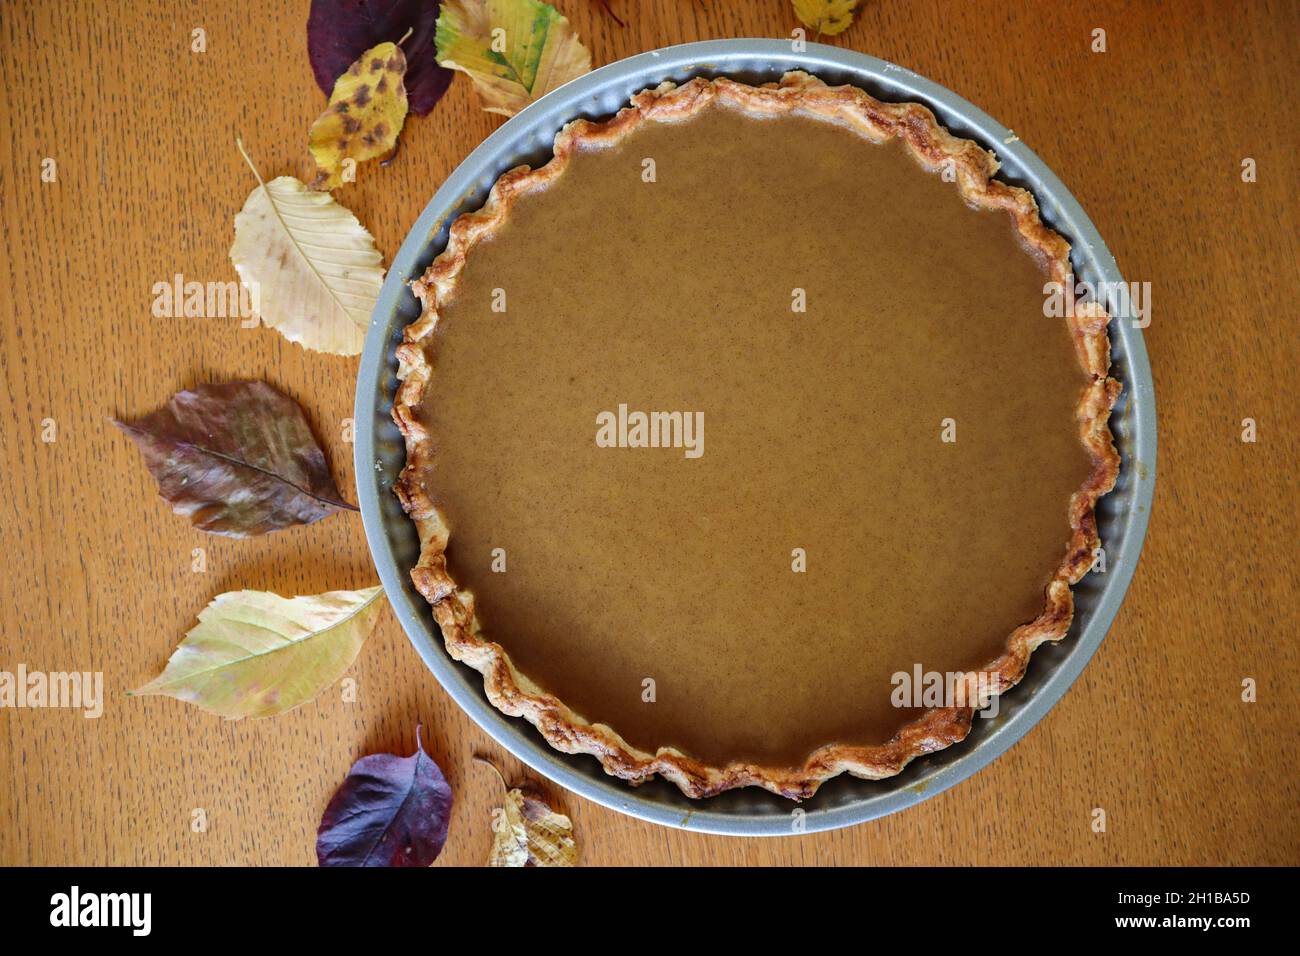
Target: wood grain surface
x=97, y=572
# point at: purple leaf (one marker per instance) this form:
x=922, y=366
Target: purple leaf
x=237, y=459
x=390, y=811
x=339, y=31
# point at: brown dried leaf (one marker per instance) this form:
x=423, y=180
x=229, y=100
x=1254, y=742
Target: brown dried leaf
x=237, y=459
x=528, y=832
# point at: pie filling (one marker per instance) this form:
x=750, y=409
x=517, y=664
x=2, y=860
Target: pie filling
x=823, y=313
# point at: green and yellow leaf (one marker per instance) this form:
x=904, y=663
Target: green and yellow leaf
x=256, y=654
x=826, y=17
x=364, y=117
x=515, y=51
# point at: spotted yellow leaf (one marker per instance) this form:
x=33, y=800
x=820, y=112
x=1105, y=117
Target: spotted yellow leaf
x=826, y=17
x=364, y=117
x=515, y=51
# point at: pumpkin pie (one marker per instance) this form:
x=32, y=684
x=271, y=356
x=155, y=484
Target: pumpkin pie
x=739, y=416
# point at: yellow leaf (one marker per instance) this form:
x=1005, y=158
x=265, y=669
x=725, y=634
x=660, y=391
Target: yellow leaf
x=315, y=269
x=255, y=654
x=530, y=833
x=827, y=17
x=515, y=51
x=364, y=117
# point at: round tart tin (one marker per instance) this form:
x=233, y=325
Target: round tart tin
x=844, y=801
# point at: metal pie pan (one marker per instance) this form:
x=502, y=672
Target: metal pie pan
x=844, y=801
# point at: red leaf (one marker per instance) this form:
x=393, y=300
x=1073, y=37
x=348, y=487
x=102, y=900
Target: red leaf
x=390, y=811
x=339, y=31
x=236, y=459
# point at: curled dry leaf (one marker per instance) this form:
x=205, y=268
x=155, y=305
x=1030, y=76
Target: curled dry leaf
x=364, y=117
x=314, y=268
x=527, y=832
x=515, y=51
x=530, y=833
x=827, y=17
x=237, y=459
x=390, y=811
x=338, y=31
x=256, y=654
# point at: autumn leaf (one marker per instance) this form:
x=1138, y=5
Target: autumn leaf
x=827, y=17
x=339, y=31
x=515, y=51
x=256, y=654
x=236, y=459
x=527, y=832
x=315, y=270
x=390, y=811
x=530, y=833
x=364, y=117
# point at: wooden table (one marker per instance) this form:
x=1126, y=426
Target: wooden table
x=1150, y=135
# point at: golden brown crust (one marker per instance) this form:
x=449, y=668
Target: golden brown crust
x=512, y=692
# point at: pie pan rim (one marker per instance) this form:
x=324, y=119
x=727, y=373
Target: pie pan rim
x=715, y=58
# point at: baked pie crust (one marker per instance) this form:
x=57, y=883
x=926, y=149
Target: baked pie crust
x=934, y=147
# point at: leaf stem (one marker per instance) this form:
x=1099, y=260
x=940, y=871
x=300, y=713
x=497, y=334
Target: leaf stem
x=495, y=769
